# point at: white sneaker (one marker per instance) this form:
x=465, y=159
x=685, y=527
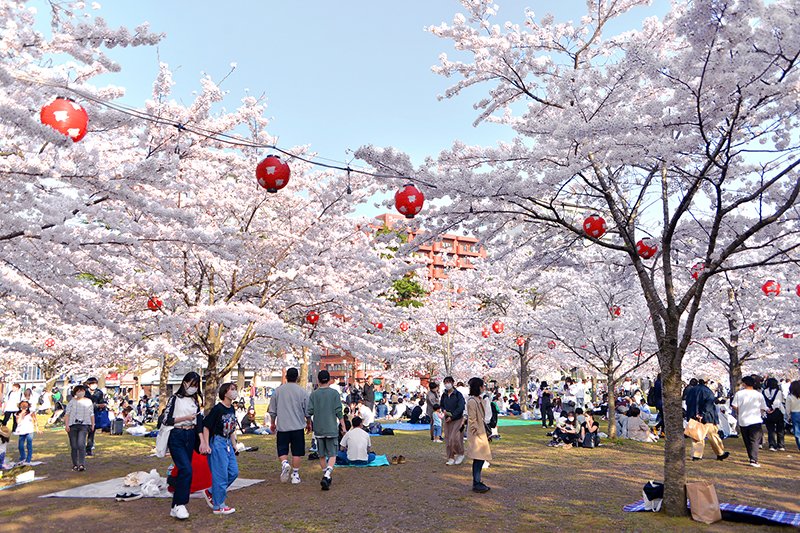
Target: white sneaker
x=286, y=470
x=450, y=462
x=755, y=465
x=459, y=459
x=295, y=479
x=179, y=512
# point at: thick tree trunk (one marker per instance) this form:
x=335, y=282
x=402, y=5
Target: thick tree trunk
x=734, y=375
x=240, y=378
x=304, y=364
x=211, y=377
x=163, y=378
x=611, y=412
x=523, y=378
x=675, y=447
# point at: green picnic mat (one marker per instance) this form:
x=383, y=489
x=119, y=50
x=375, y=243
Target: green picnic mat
x=501, y=421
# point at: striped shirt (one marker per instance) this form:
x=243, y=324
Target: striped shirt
x=79, y=411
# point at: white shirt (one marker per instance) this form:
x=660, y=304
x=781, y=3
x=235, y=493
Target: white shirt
x=785, y=388
x=366, y=414
x=184, y=407
x=357, y=442
x=12, y=401
x=580, y=390
x=749, y=404
x=25, y=426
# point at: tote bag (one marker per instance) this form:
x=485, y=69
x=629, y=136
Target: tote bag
x=162, y=439
x=704, y=502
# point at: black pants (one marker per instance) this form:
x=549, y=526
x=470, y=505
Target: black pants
x=12, y=415
x=477, y=467
x=752, y=435
x=547, y=414
x=775, y=431
x=90, y=441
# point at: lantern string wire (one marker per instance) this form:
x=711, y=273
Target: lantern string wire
x=225, y=138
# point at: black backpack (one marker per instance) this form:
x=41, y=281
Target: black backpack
x=493, y=421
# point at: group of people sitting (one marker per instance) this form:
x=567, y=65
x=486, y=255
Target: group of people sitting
x=576, y=429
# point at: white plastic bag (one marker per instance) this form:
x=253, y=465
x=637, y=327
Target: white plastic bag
x=162, y=439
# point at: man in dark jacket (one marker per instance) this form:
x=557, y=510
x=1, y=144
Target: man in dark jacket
x=100, y=404
x=703, y=409
x=655, y=399
x=453, y=403
x=369, y=393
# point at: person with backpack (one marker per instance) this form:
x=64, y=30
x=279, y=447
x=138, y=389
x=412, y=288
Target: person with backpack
x=773, y=396
x=477, y=438
x=703, y=409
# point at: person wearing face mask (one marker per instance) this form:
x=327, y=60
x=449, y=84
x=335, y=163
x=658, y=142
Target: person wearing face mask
x=219, y=430
x=78, y=422
x=184, y=413
x=100, y=405
x=477, y=440
x=452, y=403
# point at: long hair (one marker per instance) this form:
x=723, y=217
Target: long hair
x=794, y=388
x=772, y=384
x=192, y=378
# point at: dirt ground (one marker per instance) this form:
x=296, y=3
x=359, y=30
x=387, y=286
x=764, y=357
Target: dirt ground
x=534, y=488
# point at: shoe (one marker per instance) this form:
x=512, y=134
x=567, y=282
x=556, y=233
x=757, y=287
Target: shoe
x=459, y=459
x=286, y=471
x=295, y=479
x=449, y=462
x=401, y=459
x=782, y=449
x=760, y=447
x=754, y=464
x=697, y=458
x=325, y=483
x=223, y=510
x=179, y=512
x=75, y=468
x=772, y=449
x=127, y=496
x=89, y=454
x=480, y=488
x=393, y=460
x=723, y=456
x=209, y=498
x=81, y=468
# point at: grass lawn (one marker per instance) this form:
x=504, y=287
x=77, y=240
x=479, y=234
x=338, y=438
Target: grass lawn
x=534, y=488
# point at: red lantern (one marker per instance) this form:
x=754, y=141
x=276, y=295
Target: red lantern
x=795, y=360
x=551, y=344
x=50, y=343
x=378, y=325
x=797, y=289
x=272, y=173
x=753, y=327
x=65, y=116
x=441, y=328
x=697, y=269
x=594, y=226
x=615, y=310
x=520, y=341
x=646, y=248
x=498, y=327
x=485, y=333
x=404, y=326
x=312, y=317
x=788, y=335
x=409, y=200
x=154, y=304
x=771, y=288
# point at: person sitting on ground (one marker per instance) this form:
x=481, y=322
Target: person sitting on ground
x=566, y=433
x=250, y=426
x=636, y=428
x=381, y=409
x=589, y=432
x=514, y=408
x=365, y=412
x=399, y=409
x=416, y=412
x=355, y=446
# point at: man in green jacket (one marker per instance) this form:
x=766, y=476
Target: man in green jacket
x=325, y=408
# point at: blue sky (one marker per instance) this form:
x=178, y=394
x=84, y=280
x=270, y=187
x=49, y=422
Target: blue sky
x=337, y=74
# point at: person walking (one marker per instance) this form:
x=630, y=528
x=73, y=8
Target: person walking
x=431, y=400
x=773, y=396
x=219, y=441
x=100, y=409
x=184, y=412
x=11, y=406
x=655, y=399
x=750, y=408
x=793, y=409
x=477, y=439
x=325, y=408
x=546, y=407
x=705, y=412
x=288, y=409
x=452, y=402
x=26, y=427
x=78, y=422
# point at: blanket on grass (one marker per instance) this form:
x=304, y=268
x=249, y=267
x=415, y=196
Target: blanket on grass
x=380, y=460
x=112, y=487
x=741, y=513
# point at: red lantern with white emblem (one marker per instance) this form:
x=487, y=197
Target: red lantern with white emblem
x=409, y=200
x=498, y=327
x=485, y=333
x=697, y=269
x=441, y=328
x=272, y=173
x=615, y=310
x=771, y=288
x=154, y=304
x=404, y=326
x=50, y=343
x=312, y=317
x=520, y=341
x=65, y=116
x=551, y=344
x=646, y=248
x=594, y=226
x=788, y=335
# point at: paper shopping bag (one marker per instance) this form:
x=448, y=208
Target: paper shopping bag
x=695, y=430
x=703, y=501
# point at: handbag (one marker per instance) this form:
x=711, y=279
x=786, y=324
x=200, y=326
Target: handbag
x=162, y=439
x=695, y=430
x=704, y=502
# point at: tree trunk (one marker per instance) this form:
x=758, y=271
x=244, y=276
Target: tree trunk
x=240, y=378
x=523, y=378
x=166, y=367
x=611, y=412
x=675, y=447
x=304, y=363
x=211, y=377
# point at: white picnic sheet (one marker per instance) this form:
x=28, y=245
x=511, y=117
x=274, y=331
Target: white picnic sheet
x=112, y=487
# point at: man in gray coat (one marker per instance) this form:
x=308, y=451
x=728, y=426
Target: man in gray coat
x=288, y=408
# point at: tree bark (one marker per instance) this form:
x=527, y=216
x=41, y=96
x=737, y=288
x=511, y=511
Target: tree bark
x=675, y=446
x=734, y=375
x=304, y=363
x=523, y=377
x=611, y=412
x=166, y=368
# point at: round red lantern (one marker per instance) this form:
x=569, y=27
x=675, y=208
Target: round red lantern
x=520, y=341
x=594, y=226
x=378, y=325
x=272, y=173
x=697, y=269
x=409, y=200
x=312, y=317
x=441, y=328
x=771, y=288
x=50, y=343
x=646, y=248
x=787, y=335
x=404, y=326
x=498, y=327
x=485, y=333
x=795, y=360
x=65, y=116
x=752, y=327
x=154, y=304
x=615, y=310
x=797, y=289
x=551, y=344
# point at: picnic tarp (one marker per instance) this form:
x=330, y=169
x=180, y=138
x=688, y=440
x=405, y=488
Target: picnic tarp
x=740, y=513
x=380, y=460
x=112, y=487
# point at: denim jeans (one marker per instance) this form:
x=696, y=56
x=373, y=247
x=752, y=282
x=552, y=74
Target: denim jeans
x=341, y=459
x=437, y=432
x=77, y=443
x=224, y=469
x=796, y=428
x=181, y=448
x=23, y=441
